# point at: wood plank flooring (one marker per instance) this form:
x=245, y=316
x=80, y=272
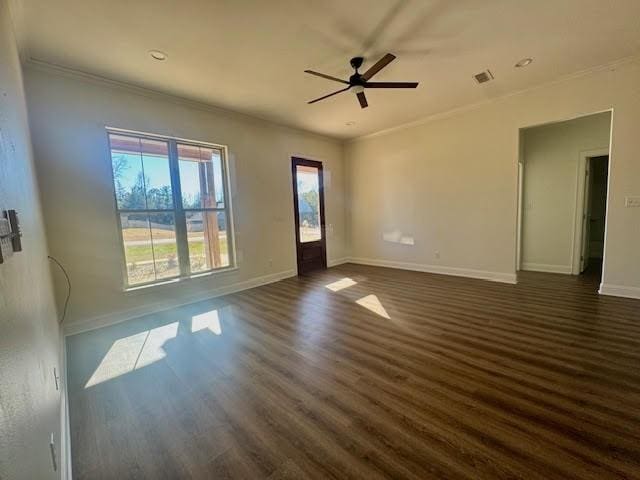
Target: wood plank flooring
x=365, y=372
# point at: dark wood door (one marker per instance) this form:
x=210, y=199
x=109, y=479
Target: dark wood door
x=308, y=204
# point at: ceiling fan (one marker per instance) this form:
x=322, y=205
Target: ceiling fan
x=360, y=81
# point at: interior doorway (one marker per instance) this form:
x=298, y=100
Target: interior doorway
x=562, y=195
x=308, y=204
x=594, y=212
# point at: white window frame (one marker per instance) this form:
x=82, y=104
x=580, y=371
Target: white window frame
x=178, y=210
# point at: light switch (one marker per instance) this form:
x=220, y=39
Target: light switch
x=632, y=201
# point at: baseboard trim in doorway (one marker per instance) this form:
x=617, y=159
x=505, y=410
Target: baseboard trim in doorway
x=619, y=291
x=118, y=317
x=442, y=270
x=547, y=268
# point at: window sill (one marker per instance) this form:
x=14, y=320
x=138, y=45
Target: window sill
x=178, y=280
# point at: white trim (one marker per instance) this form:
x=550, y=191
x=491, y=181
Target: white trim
x=544, y=267
x=37, y=64
x=157, y=136
x=619, y=291
x=475, y=106
x=439, y=269
x=520, y=198
x=53, y=68
x=117, y=317
x=65, y=435
x=172, y=281
x=608, y=201
x=577, y=223
x=337, y=261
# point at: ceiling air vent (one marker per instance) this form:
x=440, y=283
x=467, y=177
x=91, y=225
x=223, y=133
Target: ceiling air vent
x=483, y=77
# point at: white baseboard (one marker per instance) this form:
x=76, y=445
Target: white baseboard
x=619, y=291
x=337, y=261
x=117, y=317
x=543, y=267
x=455, y=271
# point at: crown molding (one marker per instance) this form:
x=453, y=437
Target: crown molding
x=42, y=65
x=474, y=106
x=48, y=67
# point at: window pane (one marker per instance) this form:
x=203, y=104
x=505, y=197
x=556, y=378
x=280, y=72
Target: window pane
x=216, y=161
x=157, y=179
x=141, y=173
x=200, y=177
x=165, y=250
x=126, y=161
x=136, y=237
x=208, y=240
x=308, y=203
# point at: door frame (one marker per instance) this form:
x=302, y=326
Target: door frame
x=581, y=209
x=295, y=161
x=519, y=157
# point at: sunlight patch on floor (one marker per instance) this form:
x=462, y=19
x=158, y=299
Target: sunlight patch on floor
x=340, y=284
x=372, y=303
x=129, y=353
x=153, y=350
x=208, y=320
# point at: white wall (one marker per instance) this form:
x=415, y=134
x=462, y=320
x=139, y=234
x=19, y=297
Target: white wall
x=68, y=117
x=451, y=181
x=551, y=156
x=30, y=342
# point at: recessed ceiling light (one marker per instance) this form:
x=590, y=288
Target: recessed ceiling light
x=158, y=55
x=524, y=62
x=350, y=123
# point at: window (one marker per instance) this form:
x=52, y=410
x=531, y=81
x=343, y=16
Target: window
x=308, y=188
x=173, y=207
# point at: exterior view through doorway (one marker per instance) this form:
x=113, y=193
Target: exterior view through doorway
x=308, y=204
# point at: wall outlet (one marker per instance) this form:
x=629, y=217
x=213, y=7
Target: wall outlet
x=632, y=201
x=436, y=254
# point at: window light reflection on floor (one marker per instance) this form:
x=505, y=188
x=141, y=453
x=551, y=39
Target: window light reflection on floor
x=132, y=352
x=340, y=284
x=208, y=320
x=372, y=303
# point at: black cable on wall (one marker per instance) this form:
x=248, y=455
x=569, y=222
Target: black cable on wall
x=66, y=302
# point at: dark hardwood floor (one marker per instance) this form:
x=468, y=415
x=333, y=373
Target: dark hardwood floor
x=365, y=372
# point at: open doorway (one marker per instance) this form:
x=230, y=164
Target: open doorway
x=562, y=196
x=594, y=213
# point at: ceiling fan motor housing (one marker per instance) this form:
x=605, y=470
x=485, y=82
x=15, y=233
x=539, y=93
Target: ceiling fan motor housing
x=356, y=62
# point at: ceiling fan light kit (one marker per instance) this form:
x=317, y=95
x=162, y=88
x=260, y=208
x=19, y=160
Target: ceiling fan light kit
x=359, y=82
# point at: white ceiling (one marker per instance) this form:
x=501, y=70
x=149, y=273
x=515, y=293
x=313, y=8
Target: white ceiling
x=249, y=55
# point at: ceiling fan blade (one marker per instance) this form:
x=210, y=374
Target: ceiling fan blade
x=330, y=95
x=379, y=65
x=391, y=84
x=362, y=99
x=328, y=77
